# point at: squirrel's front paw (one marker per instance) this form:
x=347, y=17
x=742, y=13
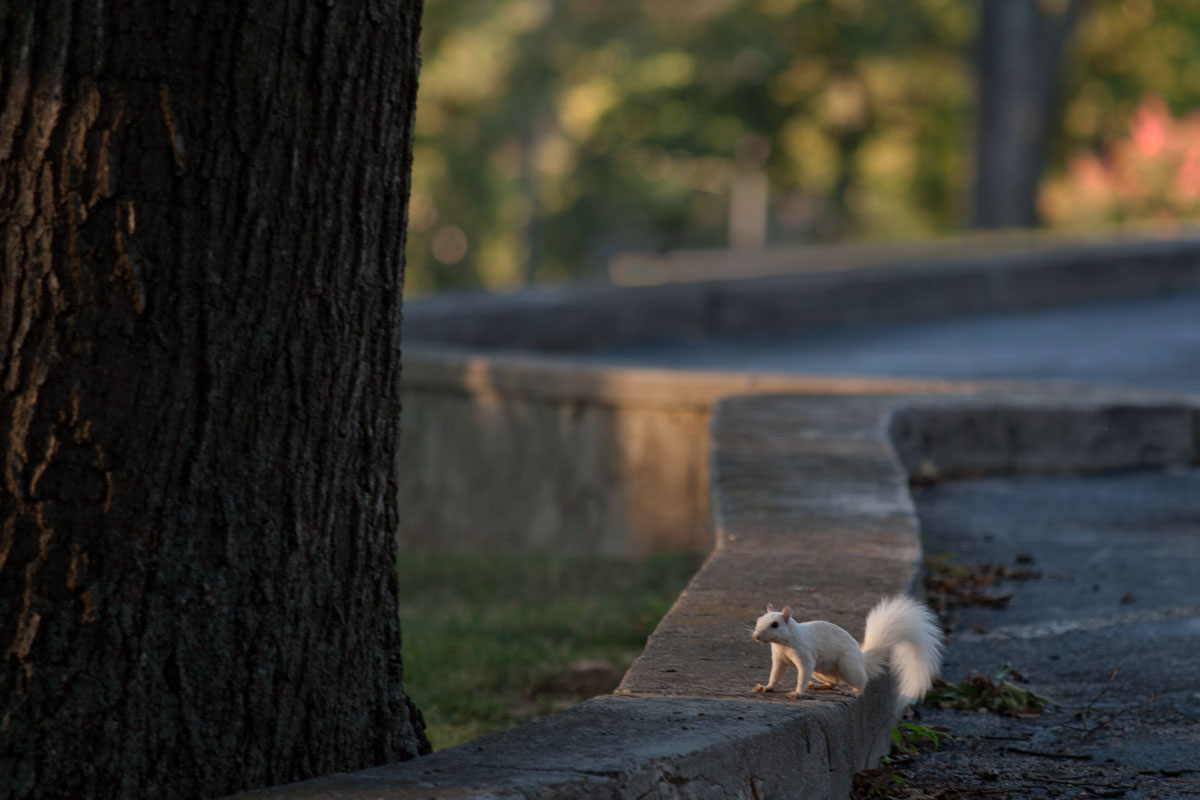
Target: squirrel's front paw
x=758, y=687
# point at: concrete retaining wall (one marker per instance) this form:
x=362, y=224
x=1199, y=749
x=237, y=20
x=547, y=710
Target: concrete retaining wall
x=911, y=287
x=811, y=507
x=524, y=452
x=508, y=450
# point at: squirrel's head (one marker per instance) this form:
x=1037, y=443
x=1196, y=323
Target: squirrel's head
x=771, y=626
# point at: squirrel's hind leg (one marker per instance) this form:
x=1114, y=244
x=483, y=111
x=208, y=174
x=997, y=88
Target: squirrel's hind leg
x=833, y=683
x=824, y=681
x=853, y=672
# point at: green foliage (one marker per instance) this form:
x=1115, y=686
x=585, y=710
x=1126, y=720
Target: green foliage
x=489, y=640
x=989, y=693
x=552, y=134
x=1124, y=51
x=908, y=736
x=1150, y=176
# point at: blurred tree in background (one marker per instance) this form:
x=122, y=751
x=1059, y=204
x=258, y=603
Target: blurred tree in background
x=1018, y=55
x=553, y=134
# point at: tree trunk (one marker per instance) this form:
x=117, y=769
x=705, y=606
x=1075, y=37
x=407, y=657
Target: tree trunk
x=1020, y=47
x=203, y=229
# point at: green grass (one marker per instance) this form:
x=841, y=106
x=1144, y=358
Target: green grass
x=490, y=640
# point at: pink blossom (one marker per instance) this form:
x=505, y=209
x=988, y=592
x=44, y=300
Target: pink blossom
x=1149, y=126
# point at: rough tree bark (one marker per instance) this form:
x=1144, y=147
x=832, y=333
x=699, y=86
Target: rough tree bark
x=1021, y=44
x=203, y=212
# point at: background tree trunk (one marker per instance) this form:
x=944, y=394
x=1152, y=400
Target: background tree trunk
x=1020, y=47
x=203, y=217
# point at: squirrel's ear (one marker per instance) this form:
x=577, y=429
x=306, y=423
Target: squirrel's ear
x=770, y=608
x=787, y=613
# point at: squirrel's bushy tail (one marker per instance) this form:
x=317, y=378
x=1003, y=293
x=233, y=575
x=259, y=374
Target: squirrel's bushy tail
x=906, y=630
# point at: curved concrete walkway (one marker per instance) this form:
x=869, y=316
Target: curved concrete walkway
x=1148, y=342
x=810, y=505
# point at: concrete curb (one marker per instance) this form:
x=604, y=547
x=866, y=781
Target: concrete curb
x=613, y=747
x=811, y=507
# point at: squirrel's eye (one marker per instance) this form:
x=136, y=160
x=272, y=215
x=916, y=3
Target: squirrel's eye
x=775, y=624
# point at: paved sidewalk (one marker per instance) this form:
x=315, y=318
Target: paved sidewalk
x=1111, y=630
x=1146, y=343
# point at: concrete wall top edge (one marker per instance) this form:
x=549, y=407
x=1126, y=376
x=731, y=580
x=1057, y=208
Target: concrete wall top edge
x=714, y=736
x=976, y=436
x=1014, y=429
x=440, y=368
x=597, y=316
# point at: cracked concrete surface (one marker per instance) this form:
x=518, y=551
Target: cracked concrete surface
x=1107, y=625
x=810, y=506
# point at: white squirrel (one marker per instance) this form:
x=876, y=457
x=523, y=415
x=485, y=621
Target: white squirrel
x=898, y=627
